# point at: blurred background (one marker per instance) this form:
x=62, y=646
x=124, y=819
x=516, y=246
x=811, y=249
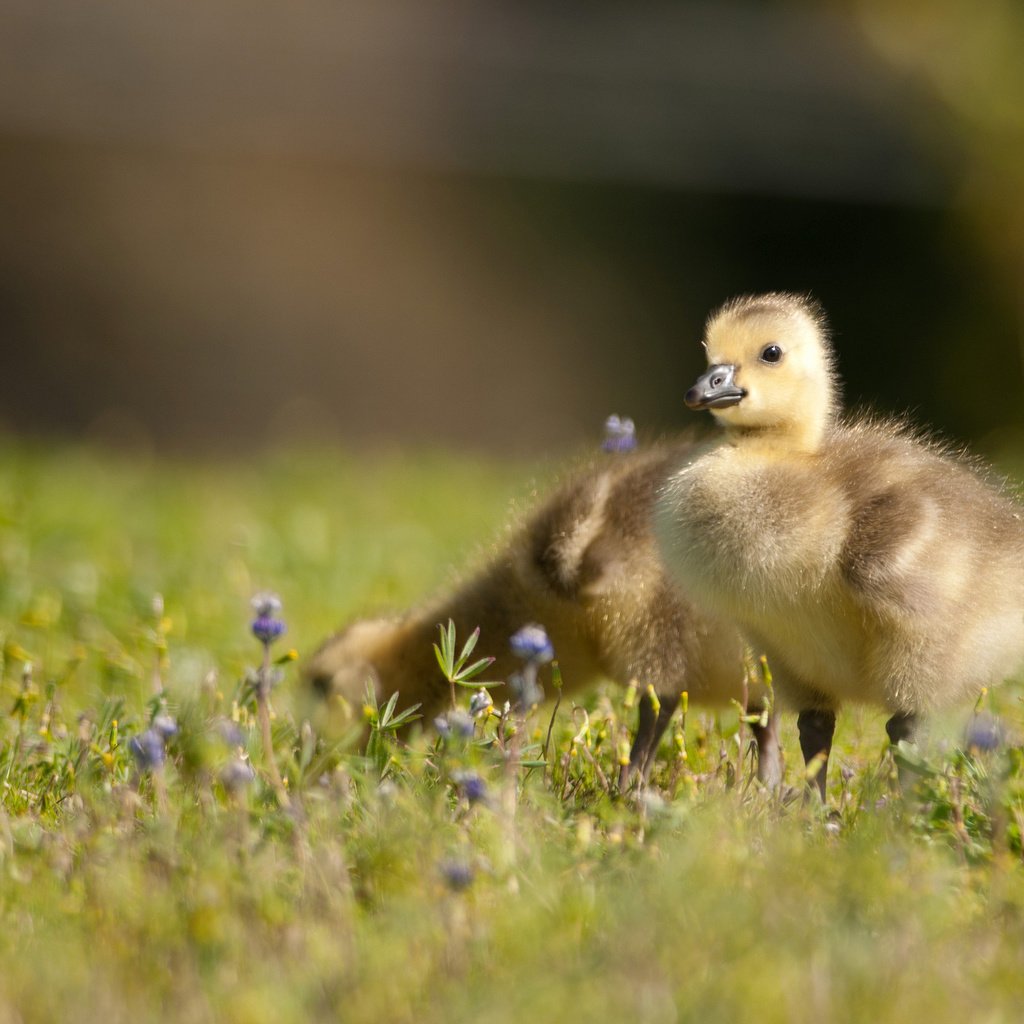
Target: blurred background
x=227, y=225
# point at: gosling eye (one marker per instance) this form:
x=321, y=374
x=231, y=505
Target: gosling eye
x=771, y=354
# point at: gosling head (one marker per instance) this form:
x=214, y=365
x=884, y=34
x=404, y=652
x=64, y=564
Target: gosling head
x=769, y=369
x=345, y=665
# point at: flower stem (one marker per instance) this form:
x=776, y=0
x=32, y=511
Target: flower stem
x=556, y=678
x=263, y=711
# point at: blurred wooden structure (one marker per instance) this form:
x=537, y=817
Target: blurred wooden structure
x=228, y=223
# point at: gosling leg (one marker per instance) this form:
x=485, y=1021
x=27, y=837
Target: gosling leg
x=901, y=726
x=816, y=729
x=769, y=753
x=650, y=728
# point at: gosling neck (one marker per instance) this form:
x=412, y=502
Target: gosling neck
x=803, y=435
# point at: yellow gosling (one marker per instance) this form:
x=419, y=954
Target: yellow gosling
x=868, y=563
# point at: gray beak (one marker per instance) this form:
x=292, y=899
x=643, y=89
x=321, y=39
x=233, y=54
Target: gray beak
x=715, y=389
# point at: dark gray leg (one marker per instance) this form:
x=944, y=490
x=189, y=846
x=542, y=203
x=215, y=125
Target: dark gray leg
x=769, y=754
x=668, y=707
x=901, y=726
x=816, y=729
x=649, y=730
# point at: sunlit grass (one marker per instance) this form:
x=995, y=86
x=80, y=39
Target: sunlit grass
x=428, y=878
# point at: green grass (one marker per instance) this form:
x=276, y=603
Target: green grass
x=381, y=893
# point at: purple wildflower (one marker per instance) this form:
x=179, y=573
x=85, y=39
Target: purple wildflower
x=231, y=733
x=267, y=627
x=148, y=750
x=165, y=726
x=236, y=775
x=619, y=434
x=471, y=786
x=984, y=732
x=455, y=723
x=480, y=703
x=532, y=644
x=458, y=874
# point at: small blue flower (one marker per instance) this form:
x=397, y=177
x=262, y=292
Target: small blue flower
x=236, y=775
x=984, y=732
x=456, y=723
x=471, y=786
x=480, y=703
x=148, y=750
x=231, y=733
x=165, y=726
x=532, y=643
x=267, y=627
x=619, y=434
x=458, y=874
x=267, y=630
x=461, y=723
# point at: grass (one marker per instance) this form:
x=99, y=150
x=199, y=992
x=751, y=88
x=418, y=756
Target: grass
x=434, y=880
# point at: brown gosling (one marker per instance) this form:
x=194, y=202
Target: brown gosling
x=584, y=565
x=869, y=564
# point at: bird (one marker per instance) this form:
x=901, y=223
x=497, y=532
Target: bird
x=584, y=564
x=868, y=561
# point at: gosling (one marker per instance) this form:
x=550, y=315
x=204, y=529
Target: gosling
x=868, y=563
x=585, y=565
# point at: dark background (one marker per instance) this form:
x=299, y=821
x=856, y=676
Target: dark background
x=225, y=225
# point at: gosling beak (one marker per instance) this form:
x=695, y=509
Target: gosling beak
x=715, y=389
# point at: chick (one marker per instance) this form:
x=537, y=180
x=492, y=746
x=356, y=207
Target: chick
x=869, y=564
x=585, y=565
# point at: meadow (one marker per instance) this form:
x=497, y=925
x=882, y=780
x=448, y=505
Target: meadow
x=181, y=839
